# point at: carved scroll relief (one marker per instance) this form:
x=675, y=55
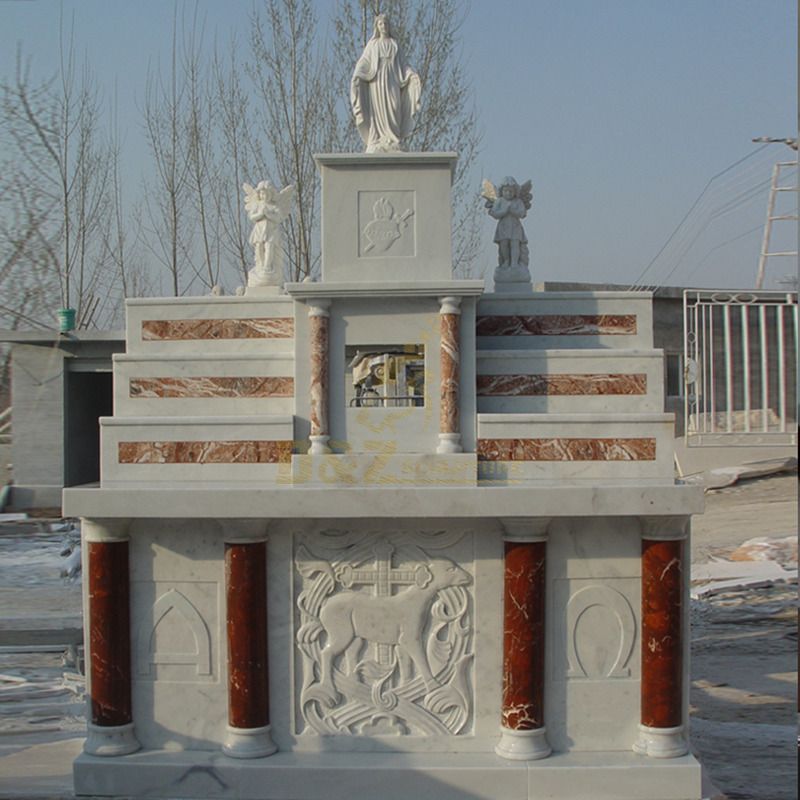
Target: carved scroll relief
x=383, y=634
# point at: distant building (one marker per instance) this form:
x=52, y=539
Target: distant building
x=60, y=385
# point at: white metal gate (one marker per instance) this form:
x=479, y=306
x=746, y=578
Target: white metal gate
x=740, y=367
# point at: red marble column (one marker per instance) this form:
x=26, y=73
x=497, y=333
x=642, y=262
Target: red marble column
x=522, y=724
x=449, y=423
x=662, y=700
x=319, y=319
x=248, y=733
x=108, y=588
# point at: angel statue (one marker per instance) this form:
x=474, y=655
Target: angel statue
x=508, y=206
x=267, y=208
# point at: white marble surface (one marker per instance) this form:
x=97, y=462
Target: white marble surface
x=411, y=218
x=385, y=469
x=470, y=776
x=232, y=502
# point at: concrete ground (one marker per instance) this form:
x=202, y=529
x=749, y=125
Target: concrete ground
x=744, y=652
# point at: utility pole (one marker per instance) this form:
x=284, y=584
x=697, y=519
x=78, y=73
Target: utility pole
x=775, y=187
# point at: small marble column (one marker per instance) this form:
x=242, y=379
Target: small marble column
x=248, y=732
x=522, y=731
x=110, y=731
x=319, y=323
x=661, y=732
x=449, y=423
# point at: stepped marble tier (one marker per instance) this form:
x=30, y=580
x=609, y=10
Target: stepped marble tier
x=386, y=534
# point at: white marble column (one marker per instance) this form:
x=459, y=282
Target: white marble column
x=449, y=396
x=319, y=324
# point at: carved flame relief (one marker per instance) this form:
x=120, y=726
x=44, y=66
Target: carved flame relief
x=385, y=636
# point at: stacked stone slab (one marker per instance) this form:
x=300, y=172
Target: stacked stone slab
x=478, y=596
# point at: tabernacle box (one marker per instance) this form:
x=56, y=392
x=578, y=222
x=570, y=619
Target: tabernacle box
x=386, y=217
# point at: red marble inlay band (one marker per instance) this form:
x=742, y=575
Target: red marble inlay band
x=109, y=633
x=524, y=635
x=249, y=452
x=212, y=387
x=537, y=385
x=246, y=592
x=662, y=649
x=256, y=328
x=565, y=449
x=557, y=325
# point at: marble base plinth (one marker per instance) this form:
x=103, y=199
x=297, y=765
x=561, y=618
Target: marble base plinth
x=326, y=776
x=451, y=469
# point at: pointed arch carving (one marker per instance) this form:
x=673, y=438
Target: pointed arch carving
x=174, y=601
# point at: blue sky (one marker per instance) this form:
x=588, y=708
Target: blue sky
x=620, y=111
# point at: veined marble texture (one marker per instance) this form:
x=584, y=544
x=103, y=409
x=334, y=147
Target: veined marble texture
x=449, y=422
x=253, y=328
x=556, y=325
x=246, y=452
x=319, y=332
x=566, y=449
x=212, y=386
x=535, y=385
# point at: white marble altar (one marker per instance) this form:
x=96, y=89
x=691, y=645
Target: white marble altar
x=455, y=574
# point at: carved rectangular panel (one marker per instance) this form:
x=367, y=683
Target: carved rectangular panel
x=386, y=224
x=384, y=633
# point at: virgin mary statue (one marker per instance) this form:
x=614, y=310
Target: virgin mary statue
x=384, y=92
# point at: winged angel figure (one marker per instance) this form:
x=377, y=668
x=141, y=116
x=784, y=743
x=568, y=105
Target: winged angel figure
x=508, y=205
x=267, y=208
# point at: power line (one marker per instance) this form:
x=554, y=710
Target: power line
x=635, y=285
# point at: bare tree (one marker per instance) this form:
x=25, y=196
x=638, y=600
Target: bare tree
x=60, y=167
x=164, y=117
x=297, y=113
x=236, y=160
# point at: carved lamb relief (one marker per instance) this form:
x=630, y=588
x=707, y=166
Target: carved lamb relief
x=384, y=635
